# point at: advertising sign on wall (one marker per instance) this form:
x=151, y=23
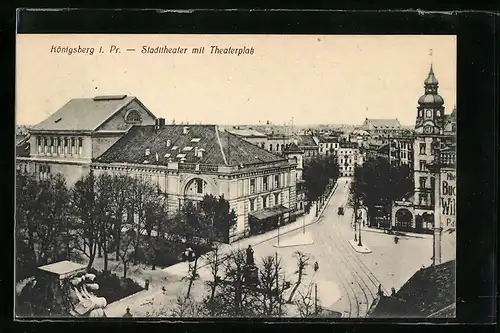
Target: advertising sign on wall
x=448, y=209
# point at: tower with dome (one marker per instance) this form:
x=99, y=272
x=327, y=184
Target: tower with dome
x=429, y=126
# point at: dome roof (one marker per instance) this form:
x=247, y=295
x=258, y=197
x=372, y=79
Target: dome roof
x=431, y=99
x=431, y=79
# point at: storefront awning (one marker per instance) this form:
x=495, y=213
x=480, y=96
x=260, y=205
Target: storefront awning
x=269, y=212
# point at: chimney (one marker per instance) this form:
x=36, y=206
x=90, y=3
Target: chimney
x=161, y=122
x=196, y=151
x=185, y=130
x=148, y=151
x=169, y=143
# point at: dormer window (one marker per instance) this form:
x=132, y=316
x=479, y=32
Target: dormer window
x=438, y=113
x=133, y=117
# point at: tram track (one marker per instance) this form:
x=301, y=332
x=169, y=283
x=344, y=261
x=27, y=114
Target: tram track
x=350, y=260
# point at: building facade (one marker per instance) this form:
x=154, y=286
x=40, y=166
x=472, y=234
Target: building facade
x=429, y=127
x=328, y=145
x=308, y=144
x=188, y=162
x=71, y=138
x=349, y=157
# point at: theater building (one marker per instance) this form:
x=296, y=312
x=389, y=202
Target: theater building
x=188, y=162
x=80, y=131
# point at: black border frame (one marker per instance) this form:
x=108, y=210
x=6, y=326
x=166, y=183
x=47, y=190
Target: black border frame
x=477, y=142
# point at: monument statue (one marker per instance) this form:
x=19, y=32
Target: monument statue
x=62, y=289
x=250, y=258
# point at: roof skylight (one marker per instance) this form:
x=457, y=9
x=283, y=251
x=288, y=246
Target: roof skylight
x=187, y=148
x=195, y=140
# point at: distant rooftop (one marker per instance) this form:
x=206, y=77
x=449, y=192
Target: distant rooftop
x=382, y=124
x=246, y=132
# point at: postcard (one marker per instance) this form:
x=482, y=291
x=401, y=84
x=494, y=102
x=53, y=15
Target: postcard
x=213, y=176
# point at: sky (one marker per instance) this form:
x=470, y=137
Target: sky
x=314, y=79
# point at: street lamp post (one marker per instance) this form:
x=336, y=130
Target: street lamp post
x=278, y=233
x=360, y=220
x=303, y=223
x=355, y=230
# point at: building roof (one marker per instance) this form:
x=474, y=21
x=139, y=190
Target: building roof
x=328, y=139
x=431, y=78
x=62, y=268
x=292, y=148
x=84, y=114
x=384, y=123
x=247, y=133
x=306, y=140
x=428, y=291
x=142, y=144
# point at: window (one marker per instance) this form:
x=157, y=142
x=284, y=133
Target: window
x=264, y=201
x=72, y=146
x=252, y=186
x=39, y=143
x=65, y=146
x=199, y=186
x=271, y=147
x=80, y=146
x=276, y=181
x=420, y=113
x=262, y=145
x=133, y=116
x=58, y=145
x=52, y=144
x=429, y=113
x=252, y=204
x=276, y=198
x=45, y=146
x=422, y=166
x=423, y=181
x=422, y=148
x=264, y=183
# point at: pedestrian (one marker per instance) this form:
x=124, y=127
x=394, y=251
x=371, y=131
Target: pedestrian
x=127, y=313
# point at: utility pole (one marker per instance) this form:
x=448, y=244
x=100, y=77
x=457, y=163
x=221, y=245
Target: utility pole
x=315, y=298
x=277, y=285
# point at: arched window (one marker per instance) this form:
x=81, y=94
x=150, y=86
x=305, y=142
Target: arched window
x=133, y=116
x=271, y=147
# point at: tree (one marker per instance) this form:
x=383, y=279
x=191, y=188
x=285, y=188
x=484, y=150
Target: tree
x=378, y=183
x=143, y=198
x=233, y=298
x=126, y=253
x=302, y=263
x=42, y=207
x=271, y=287
x=219, y=216
x=318, y=174
x=104, y=215
x=83, y=196
x=214, y=260
x=306, y=304
x=120, y=188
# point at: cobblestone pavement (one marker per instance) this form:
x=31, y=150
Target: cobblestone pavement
x=347, y=281
x=357, y=276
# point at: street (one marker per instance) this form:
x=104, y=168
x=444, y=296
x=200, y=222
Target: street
x=348, y=281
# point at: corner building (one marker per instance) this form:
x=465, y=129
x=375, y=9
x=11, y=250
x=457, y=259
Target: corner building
x=188, y=162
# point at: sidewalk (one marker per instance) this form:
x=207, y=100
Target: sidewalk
x=182, y=268
x=402, y=234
